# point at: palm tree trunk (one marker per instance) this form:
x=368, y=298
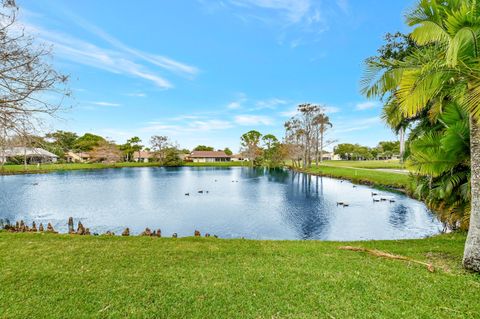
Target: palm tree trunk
x=402, y=143
x=471, y=256
x=321, y=146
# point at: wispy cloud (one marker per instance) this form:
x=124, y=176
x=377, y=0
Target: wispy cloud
x=331, y=109
x=101, y=103
x=237, y=103
x=114, y=57
x=248, y=119
x=357, y=125
x=344, y=6
x=188, y=127
x=294, y=20
x=139, y=94
x=269, y=104
x=234, y=105
x=158, y=60
x=293, y=10
x=366, y=106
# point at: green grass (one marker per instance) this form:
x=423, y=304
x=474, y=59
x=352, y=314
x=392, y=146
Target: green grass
x=63, y=276
x=364, y=176
x=392, y=164
x=45, y=168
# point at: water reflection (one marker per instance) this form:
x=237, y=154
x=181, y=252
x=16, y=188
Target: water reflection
x=399, y=215
x=241, y=202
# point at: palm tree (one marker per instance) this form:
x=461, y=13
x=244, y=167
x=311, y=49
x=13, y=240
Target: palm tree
x=440, y=156
x=322, y=123
x=392, y=115
x=445, y=67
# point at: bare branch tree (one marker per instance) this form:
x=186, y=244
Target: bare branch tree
x=31, y=90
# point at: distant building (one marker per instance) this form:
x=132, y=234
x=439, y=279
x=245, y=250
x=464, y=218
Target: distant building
x=239, y=158
x=183, y=156
x=142, y=156
x=209, y=156
x=330, y=156
x=80, y=157
x=33, y=155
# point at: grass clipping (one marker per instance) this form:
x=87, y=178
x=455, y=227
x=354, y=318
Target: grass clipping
x=383, y=254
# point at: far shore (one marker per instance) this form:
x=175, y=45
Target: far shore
x=48, y=168
x=380, y=174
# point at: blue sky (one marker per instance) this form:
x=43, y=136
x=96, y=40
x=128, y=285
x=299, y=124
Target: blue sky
x=205, y=71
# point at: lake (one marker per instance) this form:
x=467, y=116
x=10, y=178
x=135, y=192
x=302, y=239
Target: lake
x=241, y=202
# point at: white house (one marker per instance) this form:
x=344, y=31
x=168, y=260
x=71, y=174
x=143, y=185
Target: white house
x=330, y=156
x=239, y=158
x=209, y=156
x=142, y=156
x=33, y=154
x=81, y=157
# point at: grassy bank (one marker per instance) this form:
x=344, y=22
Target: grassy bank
x=62, y=276
x=392, y=164
x=45, y=168
x=363, y=176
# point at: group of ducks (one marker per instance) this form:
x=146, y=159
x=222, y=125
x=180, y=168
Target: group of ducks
x=375, y=200
x=200, y=192
x=206, y=192
x=382, y=199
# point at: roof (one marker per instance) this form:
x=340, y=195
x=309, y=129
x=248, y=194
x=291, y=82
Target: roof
x=209, y=154
x=29, y=151
x=142, y=154
x=238, y=156
x=79, y=154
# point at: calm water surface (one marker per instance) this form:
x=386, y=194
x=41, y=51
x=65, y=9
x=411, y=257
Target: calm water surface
x=241, y=202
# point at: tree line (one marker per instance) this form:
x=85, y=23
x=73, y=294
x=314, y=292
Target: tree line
x=99, y=149
x=385, y=150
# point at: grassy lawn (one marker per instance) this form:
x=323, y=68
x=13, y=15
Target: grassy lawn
x=364, y=176
x=62, y=276
x=393, y=164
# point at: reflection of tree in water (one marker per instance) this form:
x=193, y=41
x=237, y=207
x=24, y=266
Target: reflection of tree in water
x=306, y=212
x=252, y=173
x=278, y=175
x=398, y=216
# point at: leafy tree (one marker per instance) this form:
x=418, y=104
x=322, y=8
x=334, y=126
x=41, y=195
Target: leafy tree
x=228, y=151
x=397, y=47
x=203, y=148
x=274, y=153
x=440, y=157
x=159, y=144
x=88, y=142
x=345, y=150
x=63, y=140
x=172, y=157
x=133, y=145
x=443, y=67
x=250, y=144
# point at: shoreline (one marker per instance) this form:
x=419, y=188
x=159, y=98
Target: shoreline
x=9, y=170
x=345, y=173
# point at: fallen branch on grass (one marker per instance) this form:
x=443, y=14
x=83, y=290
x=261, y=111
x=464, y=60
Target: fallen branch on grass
x=383, y=254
